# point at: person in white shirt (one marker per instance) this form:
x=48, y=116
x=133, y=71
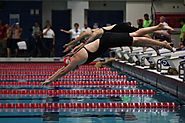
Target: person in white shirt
x=75, y=32
x=163, y=34
x=163, y=20
x=86, y=29
x=48, y=40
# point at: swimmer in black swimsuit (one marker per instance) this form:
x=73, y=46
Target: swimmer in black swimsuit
x=87, y=37
x=95, y=49
x=96, y=33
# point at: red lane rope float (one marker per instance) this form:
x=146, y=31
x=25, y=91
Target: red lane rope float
x=49, y=67
x=72, y=83
x=64, y=77
x=50, y=72
x=40, y=64
x=98, y=77
x=76, y=92
x=89, y=105
x=87, y=110
x=7, y=72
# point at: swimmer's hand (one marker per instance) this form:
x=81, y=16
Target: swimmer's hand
x=66, y=45
x=67, y=49
x=46, y=82
x=70, y=54
x=71, y=43
x=75, y=50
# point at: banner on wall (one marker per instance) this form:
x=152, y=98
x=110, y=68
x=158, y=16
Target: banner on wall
x=14, y=18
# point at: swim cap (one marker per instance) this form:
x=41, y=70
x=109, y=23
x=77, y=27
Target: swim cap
x=67, y=60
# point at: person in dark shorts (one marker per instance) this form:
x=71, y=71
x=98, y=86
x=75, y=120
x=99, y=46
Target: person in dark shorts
x=95, y=49
x=15, y=32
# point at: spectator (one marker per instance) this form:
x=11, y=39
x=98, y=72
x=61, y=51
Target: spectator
x=86, y=28
x=162, y=19
x=130, y=24
x=140, y=23
x=48, y=40
x=182, y=31
x=2, y=39
x=147, y=21
x=9, y=33
x=95, y=26
x=36, y=34
x=108, y=24
x=75, y=32
x=163, y=34
x=16, y=37
x=181, y=47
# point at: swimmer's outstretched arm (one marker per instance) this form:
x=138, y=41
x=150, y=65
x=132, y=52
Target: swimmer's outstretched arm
x=92, y=36
x=59, y=73
x=82, y=36
x=95, y=35
x=66, y=31
x=76, y=49
x=73, y=43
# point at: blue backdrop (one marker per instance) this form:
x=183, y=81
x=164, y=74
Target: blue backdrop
x=103, y=17
x=23, y=9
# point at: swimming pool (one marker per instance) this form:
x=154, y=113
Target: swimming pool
x=87, y=95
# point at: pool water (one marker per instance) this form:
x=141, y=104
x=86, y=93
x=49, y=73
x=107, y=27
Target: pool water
x=82, y=115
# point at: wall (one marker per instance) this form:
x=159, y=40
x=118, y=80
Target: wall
x=78, y=14
x=77, y=8
x=136, y=10
x=49, y=5
x=108, y=5
x=132, y=10
x=22, y=8
x=103, y=5
x=176, y=6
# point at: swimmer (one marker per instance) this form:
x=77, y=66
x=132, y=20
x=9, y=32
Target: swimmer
x=87, y=37
x=95, y=49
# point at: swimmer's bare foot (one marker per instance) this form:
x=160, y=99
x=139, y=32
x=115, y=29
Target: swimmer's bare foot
x=110, y=59
x=167, y=46
x=161, y=26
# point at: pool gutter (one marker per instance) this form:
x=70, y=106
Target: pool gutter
x=169, y=84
